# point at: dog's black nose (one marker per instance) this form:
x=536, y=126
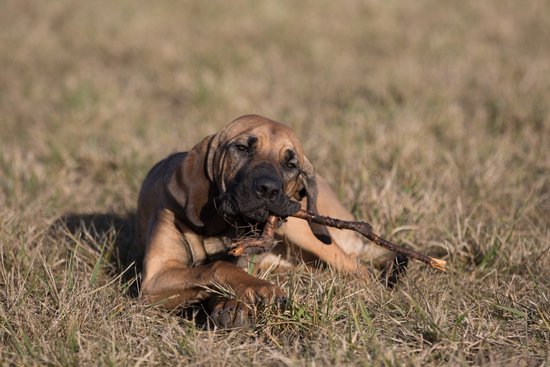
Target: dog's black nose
x=267, y=187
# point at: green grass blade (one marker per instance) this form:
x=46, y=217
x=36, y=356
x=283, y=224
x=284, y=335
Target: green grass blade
x=98, y=263
x=519, y=313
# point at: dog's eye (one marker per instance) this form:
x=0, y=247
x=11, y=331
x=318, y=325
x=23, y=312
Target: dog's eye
x=291, y=165
x=242, y=148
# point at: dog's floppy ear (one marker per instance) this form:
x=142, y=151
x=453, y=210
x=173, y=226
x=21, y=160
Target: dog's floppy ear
x=309, y=190
x=190, y=181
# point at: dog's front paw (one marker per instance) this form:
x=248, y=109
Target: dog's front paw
x=259, y=292
x=395, y=270
x=230, y=314
x=240, y=313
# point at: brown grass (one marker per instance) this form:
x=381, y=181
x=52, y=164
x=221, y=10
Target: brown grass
x=430, y=119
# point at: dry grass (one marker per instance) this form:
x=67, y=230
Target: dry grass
x=429, y=118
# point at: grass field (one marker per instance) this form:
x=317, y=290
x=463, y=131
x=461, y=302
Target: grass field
x=430, y=119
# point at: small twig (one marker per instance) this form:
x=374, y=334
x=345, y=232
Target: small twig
x=257, y=245
x=366, y=230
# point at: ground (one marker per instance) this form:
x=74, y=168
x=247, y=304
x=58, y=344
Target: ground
x=430, y=119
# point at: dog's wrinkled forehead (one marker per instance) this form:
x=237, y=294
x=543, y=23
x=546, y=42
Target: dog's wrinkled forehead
x=260, y=132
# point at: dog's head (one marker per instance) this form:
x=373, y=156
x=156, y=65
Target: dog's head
x=259, y=169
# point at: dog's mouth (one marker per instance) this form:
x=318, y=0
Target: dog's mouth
x=231, y=206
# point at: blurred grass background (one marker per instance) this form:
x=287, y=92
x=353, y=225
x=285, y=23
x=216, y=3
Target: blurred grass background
x=430, y=119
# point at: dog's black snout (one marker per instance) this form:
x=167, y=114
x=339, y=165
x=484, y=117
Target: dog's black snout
x=267, y=188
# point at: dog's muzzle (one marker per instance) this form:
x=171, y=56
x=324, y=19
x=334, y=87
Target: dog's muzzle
x=256, y=199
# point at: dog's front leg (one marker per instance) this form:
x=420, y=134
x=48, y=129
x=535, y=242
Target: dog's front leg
x=177, y=285
x=233, y=293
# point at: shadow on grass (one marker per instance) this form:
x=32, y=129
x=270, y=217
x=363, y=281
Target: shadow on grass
x=111, y=235
x=115, y=235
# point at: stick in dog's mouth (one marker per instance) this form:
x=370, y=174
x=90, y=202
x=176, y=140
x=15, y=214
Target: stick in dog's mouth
x=265, y=242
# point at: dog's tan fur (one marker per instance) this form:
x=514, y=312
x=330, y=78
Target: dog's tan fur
x=185, y=239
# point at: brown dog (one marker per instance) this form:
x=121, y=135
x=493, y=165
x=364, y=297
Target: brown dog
x=192, y=206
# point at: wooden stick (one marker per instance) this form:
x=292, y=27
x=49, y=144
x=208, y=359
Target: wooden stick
x=366, y=230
